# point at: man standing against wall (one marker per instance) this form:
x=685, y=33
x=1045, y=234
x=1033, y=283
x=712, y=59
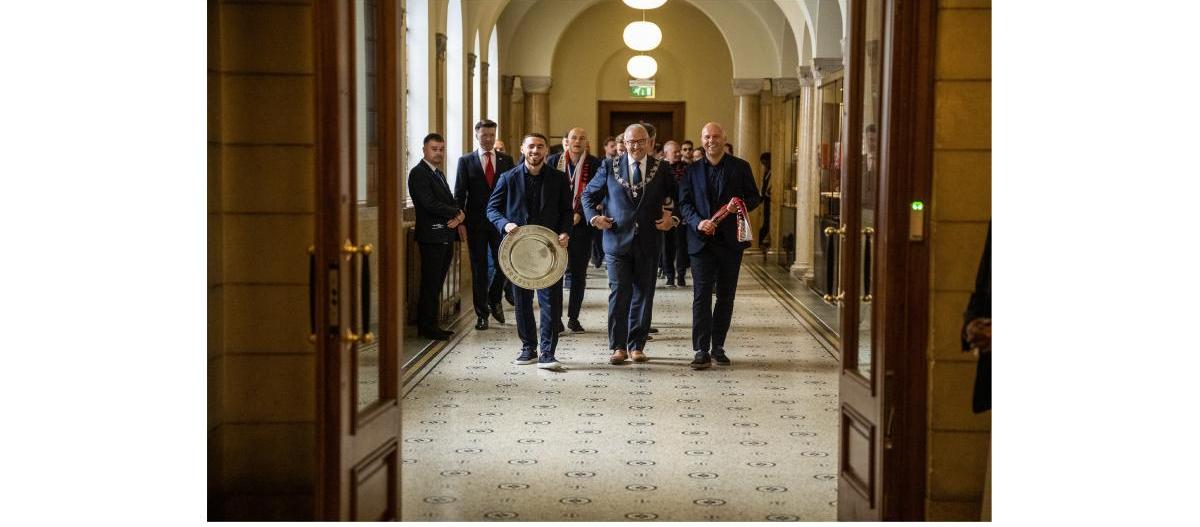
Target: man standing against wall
x=477, y=174
x=438, y=218
x=633, y=191
x=534, y=194
x=579, y=166
x=715, y=249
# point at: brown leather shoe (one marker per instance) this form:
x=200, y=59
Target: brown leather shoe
x=617, y=357
x=638, y=356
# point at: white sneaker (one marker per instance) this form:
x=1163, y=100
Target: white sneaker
x=552, y=365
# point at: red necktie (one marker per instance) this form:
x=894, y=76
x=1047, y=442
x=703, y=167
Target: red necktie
x=488, y=170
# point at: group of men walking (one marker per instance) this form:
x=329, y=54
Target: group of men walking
x=628, y=201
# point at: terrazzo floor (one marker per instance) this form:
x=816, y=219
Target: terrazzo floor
x=486, y=440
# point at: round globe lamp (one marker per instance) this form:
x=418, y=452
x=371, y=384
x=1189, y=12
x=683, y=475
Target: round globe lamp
x=645, y=4
x=642, y=35
x=641, y=66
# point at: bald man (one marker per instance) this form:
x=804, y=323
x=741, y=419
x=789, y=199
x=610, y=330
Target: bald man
x=633, y=191
x=579, y=166
x=715, y=251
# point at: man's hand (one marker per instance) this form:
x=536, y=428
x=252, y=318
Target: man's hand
x=510, y=228
x=707, y=227
x=563, y=239
x=602, y=222
x=577, y=218
x=456, y=221
x=731, y=208
x=979, y=333
x=666, y=222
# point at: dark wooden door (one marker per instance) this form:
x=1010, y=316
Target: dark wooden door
x=883, y=286
x=667, y=118
x=358, y=256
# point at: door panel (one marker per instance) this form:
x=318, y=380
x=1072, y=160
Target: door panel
x=358, y=414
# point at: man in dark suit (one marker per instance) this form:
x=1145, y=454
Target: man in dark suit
x=715, y=250
x=477, y=175
x=534, y=194
x=438, y=218
x=633, y=191
x=579, y=166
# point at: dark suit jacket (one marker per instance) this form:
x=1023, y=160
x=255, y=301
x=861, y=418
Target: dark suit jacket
x=434, y=204
x=735, y=179
x=980, y=306
x=590, y=161
x=507, y=203
x=625, y=210
x=471, y=189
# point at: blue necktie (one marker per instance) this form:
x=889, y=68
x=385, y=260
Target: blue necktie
x=637, y=173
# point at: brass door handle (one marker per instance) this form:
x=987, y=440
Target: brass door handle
x=835, y=299
x=350, y=248
x=840, y=231
x=868, y=259
x=351, y=336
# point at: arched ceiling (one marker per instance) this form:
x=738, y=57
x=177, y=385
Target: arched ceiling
x=757, y=42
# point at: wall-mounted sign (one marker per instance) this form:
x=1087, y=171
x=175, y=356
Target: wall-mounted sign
x=641, y=88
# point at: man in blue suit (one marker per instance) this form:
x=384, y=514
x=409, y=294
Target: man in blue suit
x=534, y=194
x=477, y=175
x=633, y=190
x=715, y=251
x=579, y=166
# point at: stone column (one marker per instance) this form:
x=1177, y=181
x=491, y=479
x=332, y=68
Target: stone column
x=484, y=86
x=515, y=127
x=806, y=212
x=537, y=107
x=469, y=108
x=781, y=152
x=745, y=130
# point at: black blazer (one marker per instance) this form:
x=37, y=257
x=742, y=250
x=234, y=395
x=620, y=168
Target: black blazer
x=626, y=211
x=735, y=179
x=507, y=203
x=471, y=190
x=434, y=202
x=980, y=306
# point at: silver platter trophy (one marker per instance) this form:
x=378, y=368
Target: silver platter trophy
x=532, y=257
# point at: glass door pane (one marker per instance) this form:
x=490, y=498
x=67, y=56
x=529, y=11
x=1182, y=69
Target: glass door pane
x=868, y=180
x=828, y=238
x=369, y=216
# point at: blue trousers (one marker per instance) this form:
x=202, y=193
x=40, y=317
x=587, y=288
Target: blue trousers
x=713, y=268
x=630, y=298
x=550, y=302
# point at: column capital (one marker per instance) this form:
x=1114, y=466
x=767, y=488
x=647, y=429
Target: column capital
x=440, y=40
x=823, y=67
x=471, y=64
x=747, y=86
x=518, y=90
x=784, y=86
x=805, y=75
x=536, y=84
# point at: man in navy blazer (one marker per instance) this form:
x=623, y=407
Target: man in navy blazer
x=715, y=251
x=633, y=190
x=438, y=217
x=534, y=194
x=579, y=166
x=478, y=172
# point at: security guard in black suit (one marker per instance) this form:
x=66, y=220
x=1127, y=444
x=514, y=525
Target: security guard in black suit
x=438, y=218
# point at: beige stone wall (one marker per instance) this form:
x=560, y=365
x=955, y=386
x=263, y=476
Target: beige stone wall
x=960, y=208
x=693, y=65
x=261, y=367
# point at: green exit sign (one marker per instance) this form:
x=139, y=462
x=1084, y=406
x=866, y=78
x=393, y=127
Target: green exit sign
x=641, y=89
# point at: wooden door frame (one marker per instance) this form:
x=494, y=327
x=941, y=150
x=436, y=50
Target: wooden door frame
x=336, y=378
x=908, y=156
x=901, y=303
x=604, y=110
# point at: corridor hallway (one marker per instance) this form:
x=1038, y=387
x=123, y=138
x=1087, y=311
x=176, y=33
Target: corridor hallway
x=484, y=439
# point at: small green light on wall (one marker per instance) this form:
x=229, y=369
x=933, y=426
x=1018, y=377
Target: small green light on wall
x=918, y=205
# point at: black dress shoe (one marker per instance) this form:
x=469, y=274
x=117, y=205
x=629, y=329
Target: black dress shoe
x=481, y=323
x=508, y=296
x=575, y=326
x=498, y=312
x=652, y=330
x=720, y=358
x=701, y=361
x=560, y=327
x=681, y=282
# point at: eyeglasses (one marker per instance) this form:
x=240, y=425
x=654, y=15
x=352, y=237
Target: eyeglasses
x=638, y=142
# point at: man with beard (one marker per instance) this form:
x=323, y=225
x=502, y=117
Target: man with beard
x=534, y=194
x=438, y=218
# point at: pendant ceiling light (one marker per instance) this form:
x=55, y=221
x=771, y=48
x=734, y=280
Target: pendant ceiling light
x=642, y=35
x=644, y=4
x=642, y=66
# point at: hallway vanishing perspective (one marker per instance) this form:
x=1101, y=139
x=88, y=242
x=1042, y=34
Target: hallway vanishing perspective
x=487, y=440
